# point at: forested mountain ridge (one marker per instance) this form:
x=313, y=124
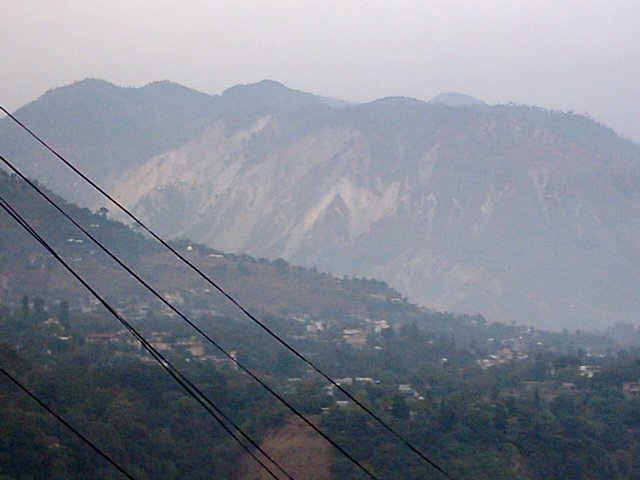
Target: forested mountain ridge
x=464, y=207
x=108, y=130
x=474, y=209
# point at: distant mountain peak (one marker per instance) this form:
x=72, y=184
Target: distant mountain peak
x=263, y=86
x=93, y=87
x=272, y=95
x=92, y=81
x=162, y=84
x=455, y=100
x=398, y=101
x=86, y=85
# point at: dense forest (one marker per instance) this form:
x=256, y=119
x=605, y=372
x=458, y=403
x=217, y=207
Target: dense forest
x=484, y=400
x=559, y=411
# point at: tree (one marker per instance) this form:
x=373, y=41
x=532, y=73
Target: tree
x=63, y=313
x=26, y=310
x=39, y=313
x=399, y=408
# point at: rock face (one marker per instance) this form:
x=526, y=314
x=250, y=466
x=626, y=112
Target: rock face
x=514, y=212
x=517, y=213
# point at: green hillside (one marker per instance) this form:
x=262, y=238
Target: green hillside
x=484, y=400
x=269, y=286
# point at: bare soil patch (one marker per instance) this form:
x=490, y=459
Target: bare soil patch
x=297, y=448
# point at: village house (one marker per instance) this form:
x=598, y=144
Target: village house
x=407, y=390
x=588, y=370
x=354, y=337
x=159, y=341
x=631, y=389
x=380, y=325
x=102, y=338
x=193, y=345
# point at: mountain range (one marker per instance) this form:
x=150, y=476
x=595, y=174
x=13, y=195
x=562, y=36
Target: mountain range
x=518, y=213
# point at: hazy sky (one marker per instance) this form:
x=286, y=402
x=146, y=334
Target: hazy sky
x=578, y=55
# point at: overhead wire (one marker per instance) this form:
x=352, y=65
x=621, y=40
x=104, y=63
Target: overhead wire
x=402, y=439
x=70, y=427
x=180, y=378
x=178, y=312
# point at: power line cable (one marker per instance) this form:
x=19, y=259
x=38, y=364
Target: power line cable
x=175, y=373
x=248, y=314
x=67, y=424
x=180, y=378
x=186, y=319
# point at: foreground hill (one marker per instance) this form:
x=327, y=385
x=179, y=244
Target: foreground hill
x=264, y=286
x=483, y=400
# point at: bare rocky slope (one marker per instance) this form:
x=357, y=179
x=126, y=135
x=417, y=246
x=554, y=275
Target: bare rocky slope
x=297, y=448
x=517, y=213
